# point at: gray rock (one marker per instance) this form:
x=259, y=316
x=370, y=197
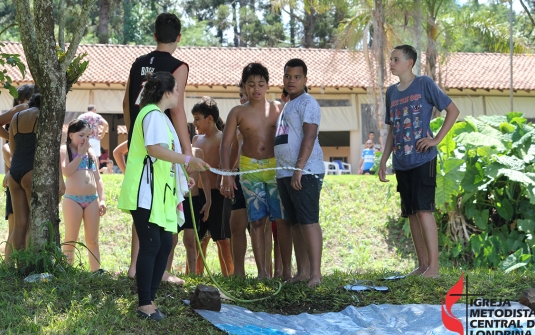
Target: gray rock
x=206, y=297
x=528, y=298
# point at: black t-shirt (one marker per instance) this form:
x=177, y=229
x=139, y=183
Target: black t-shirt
x=155, y=61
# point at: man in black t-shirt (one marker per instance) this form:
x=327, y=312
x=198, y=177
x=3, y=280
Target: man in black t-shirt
x=167, y=35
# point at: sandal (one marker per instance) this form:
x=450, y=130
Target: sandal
x=361, y=285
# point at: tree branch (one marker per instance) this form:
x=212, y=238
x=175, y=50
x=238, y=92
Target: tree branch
x=78, y=33
x=527, y=12
x=6, y=28
x=27, y=35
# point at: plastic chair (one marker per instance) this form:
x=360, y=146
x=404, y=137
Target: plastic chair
x=343, y=168
x=330, y=168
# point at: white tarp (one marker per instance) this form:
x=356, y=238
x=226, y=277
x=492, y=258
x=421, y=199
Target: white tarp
x=468, y=105
x=414, y=319
x=6, y=100
x=108, y=101
x=77, y=101
x=502, y=105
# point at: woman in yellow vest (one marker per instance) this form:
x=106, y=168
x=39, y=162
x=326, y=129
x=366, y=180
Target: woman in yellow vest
x=154, y=185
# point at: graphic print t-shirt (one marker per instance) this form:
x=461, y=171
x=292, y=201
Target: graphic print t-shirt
x=369, y=157
x=290, y=134
x=409, y=113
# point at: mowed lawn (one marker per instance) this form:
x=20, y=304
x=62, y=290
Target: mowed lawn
x=359, y=216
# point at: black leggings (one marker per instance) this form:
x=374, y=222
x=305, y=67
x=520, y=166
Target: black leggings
x=154, y=248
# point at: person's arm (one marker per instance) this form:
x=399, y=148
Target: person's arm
x=229, y=134
x=205, y=210
x=7, y=162
x=12, y=143
x=61, y=182
x=178, y=114
x=119, y=154
x=234, y=151
x=427, y=142
x=6, y=117
x=126, y=106
x=310, y=131
x=69, y=168
x=360, y=165
x=100, y=186
x=159, y=152
x=105, y=127
x=4, y=133
x=386, y=154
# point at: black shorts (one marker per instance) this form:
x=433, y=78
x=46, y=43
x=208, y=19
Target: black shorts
x=9, y=205
x=239, y=200
x=302, y=206
x=188, y=220
x=218, y=223
x=416, y=188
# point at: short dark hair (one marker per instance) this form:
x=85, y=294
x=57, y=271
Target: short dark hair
x=206, y=107
x=191, y=131
x=254, y=69
x=156, y=85
x=408, y=51
x=35, y=101
x=167, y=28
x=25, y=93
x=90, y=108
x=296, y=62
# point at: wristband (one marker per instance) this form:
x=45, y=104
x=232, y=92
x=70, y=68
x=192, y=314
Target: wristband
x=186, y=162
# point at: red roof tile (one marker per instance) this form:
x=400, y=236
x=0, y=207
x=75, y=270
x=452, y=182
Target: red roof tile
x=222, y=66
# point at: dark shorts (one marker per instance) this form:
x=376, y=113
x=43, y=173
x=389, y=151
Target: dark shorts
x=368, y=171
x=416, y=188
x=302, y=206
x=218, y=223
x=239, y=200
x=188, y=220
x=9, y=205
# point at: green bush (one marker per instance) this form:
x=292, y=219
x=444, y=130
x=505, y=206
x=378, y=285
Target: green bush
x=485, y=191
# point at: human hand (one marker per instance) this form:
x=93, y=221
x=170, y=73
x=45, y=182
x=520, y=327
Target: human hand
x=228, y=185
x=426, y=143
x=206, y=211
x=296, y=180
x=198, y=164
x=102, y=208
x=61, y=189
x=191, y=183
x=83, y=147
x=361, y=170
x=189, y=169
x=382, y=173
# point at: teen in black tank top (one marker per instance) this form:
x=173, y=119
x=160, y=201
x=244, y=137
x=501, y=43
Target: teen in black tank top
x=155, y=61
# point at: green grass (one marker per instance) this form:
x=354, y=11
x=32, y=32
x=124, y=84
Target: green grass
x=363, y=239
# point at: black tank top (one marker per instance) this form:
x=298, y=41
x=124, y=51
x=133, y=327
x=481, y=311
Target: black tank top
x=155, y=61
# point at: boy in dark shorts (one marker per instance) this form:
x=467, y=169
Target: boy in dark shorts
x=297, y=146
x=410, y=103
x=205, y=116
x=256, y=121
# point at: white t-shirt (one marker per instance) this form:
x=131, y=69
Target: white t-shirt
x=290, y=134
x=155, y=126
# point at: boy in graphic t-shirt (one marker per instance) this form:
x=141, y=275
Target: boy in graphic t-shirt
x=409, y=106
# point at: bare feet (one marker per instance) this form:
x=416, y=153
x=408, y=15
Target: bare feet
x=418, y=271
x=313, y=282
x=172, y=279
x=298, y=278
x=431, y=273
x=132, y=272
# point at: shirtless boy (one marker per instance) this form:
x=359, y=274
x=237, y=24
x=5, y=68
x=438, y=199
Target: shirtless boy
x=205, y=115
x=256, y=121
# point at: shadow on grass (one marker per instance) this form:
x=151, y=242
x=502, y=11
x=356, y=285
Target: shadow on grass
x=396, y=239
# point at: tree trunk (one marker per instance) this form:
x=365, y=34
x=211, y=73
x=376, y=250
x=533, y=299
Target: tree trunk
x=418, y=31
x=431, y=52
x=38, y=41
x=308, y=27
x=235, y=24
x=242, y=22
x=127, y=22
x=61, y=25
x=378, y=48
x=292, y=26
x=103, y=21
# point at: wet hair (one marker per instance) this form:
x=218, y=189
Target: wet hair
x=35, y=101
x=75, y=126
x=156, y=85
x=208, y=107
x=409, y=52
x=167, y=28
x=191, y=130
x=90, y=108
x=296, y=62
x=25, y=93
x=254, y=69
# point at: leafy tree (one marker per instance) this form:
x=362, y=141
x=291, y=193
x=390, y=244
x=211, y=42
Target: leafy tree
x=53, y=75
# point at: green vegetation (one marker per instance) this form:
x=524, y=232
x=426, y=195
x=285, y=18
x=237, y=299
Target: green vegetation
x=364, y=239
